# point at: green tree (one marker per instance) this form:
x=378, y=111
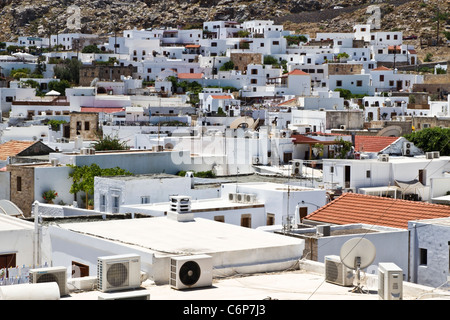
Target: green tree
x=83, y=178
x=270, y=60
x=108, y=142
x=20, y=73
x=59, y=86
x=229, y=65
x=68, y=70
x=344, y=148
x=342, y=55
x=431, y=139
x=92, y=48
x=295, y=39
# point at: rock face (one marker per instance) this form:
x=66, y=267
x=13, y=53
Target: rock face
x=43, y=17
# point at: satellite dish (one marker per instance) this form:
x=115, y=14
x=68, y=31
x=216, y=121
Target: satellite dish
x=357, y=254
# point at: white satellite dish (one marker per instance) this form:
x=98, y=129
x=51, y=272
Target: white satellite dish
x=357, y=254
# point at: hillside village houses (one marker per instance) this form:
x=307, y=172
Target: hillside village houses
x=234, y=138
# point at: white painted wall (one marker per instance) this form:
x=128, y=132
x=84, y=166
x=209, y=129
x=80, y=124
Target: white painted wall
x=433, y=236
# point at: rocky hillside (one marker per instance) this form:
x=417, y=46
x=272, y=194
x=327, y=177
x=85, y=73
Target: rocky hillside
x=42, y=17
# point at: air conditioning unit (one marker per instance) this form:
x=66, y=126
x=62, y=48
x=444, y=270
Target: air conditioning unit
x=54, y=162
x=232, y=197
x=50, y=274
x=190, y=271
x=436, y=154
x=383, y=158
x=255, y=160
x=297, y=168
x=119, y=272
x=429, y=155
x=390, y=281
x=407, y=148
x=336, y=272
x=250, y=198
x=240, y=197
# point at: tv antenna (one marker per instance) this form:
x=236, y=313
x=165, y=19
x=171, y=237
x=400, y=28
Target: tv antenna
x=357, y=254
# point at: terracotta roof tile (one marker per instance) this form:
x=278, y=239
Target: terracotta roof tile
x=358, y=208
x=222, y=96
x=13, y=147
x=373, y=143
x=298, y=72
x=190, y=75
x=102, y=109
x=382, y=68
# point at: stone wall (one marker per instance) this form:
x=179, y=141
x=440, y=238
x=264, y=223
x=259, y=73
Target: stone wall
x=84, y=125
x=241, y=60
x=22, y=187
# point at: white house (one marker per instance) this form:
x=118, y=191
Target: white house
x=114, y=194
x=226, y=102
x=415, y=172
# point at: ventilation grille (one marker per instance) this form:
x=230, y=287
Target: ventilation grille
x=43, y=276
x=381, y=285
x=117, y=275
x=333, y=272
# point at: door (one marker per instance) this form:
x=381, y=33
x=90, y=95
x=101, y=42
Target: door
x=347, y=177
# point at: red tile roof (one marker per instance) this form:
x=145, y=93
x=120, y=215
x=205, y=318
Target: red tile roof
x=373, y=143
x=222, y=96
x=13, y=148
x=372, y=210
x=298, y=72
x=382, y=68
x=190, y=75
x=101, y=109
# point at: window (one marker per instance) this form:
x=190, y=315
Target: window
x=7, y=260
x=368, y=174
x=9, y=99
x=213, y=44
x=86, y=125
x=79, y=270
x=246, y=220
x=102, y=203
x=270, y=219
x=395, y=37
x=423, y=257
x=19, y=183
x=331, y=169
x=381, y=77
x=359, y=83
x=253, y=81
x=254, y=71
x=115, y=204
x=338, y=83
x=145, y=199
x=219, y=218
x=423, y=176
x=391, y=83
x=275, y=43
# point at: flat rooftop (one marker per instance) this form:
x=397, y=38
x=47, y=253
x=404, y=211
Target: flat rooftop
x=202, y=205
x=164, y=236
x=302, y=284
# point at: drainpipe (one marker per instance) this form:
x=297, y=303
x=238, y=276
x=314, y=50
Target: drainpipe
x=413, y=267
x=36, y=244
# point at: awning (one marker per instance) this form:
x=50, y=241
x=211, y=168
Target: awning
x=409, y=186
